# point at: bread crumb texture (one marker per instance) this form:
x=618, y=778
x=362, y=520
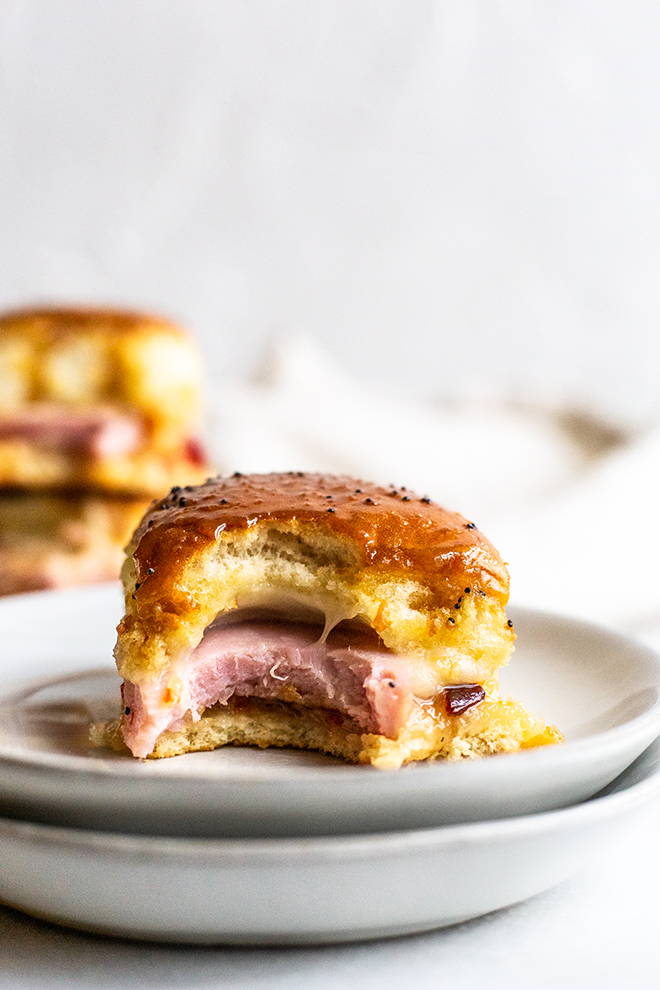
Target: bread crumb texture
x=495, y=727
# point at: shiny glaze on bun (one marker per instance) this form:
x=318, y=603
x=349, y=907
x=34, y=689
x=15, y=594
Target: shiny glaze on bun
x=52, y=322
x=391, y=530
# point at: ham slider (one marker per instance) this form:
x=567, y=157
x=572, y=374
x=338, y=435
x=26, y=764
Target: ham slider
x=318, y=612
x=98, y=399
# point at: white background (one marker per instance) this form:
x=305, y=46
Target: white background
x=449, y=195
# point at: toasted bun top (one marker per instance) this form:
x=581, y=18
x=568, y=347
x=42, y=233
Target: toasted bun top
x=390, y=530
x=51, y=322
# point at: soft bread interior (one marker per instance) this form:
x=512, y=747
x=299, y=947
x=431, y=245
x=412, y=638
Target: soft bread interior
x=182, y=579
x=465, y=641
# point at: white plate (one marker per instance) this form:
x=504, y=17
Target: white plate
x=288, y=891
x=601, y=689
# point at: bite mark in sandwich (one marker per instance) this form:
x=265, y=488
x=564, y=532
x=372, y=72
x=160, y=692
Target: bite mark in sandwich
x=371, y=628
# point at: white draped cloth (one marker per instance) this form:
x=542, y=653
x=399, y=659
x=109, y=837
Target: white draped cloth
x=569, y=500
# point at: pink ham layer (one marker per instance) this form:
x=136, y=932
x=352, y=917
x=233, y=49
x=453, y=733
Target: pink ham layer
x=349, y=672
x=97, y=431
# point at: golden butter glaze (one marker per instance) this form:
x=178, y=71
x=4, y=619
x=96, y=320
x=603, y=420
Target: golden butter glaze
x=393, y=530
x=56, y=321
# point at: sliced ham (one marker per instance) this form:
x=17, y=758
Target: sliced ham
x=350, y=672
x=94, y=431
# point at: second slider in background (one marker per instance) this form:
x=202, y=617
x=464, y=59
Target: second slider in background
x=99, y=413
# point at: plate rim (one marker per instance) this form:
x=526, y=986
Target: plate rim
x=324, y=847
x=563, y=755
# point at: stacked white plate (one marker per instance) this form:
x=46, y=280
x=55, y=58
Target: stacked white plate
x=251, y=846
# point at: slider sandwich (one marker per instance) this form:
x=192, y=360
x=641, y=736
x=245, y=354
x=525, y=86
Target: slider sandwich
x=99, y=411
x=317, y=612
x=99, y=399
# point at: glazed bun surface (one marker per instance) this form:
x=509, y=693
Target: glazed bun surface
x=315, y=611
x=386, y=530
x=425, y=579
